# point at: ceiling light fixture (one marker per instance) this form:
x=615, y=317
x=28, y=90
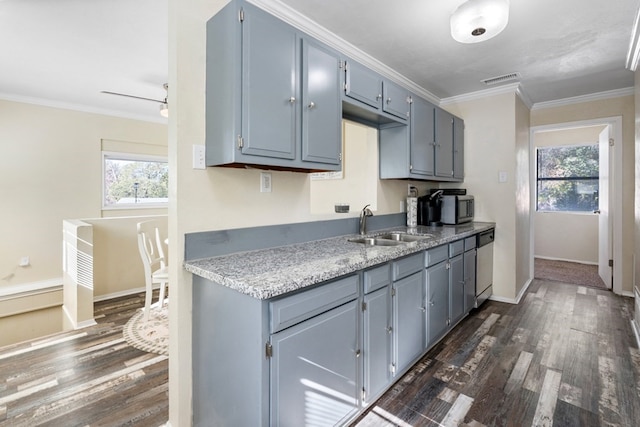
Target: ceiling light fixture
x=479, y=20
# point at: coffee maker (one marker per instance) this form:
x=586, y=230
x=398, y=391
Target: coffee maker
x=430, y=209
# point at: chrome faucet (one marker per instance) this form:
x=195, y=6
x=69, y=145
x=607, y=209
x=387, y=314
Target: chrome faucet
x=363, y=219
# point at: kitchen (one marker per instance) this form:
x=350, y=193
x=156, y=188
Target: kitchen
x=496, y=124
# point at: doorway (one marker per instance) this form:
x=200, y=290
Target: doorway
x=605, y=225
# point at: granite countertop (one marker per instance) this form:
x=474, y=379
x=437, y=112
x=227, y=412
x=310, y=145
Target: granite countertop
x=268, y=273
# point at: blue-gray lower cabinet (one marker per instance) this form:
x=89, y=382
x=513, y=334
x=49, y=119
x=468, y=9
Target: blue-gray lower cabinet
x=437, y=281
x=377, y=342
x=457, y=289
x=470, y=259
x=314, y=370
x=409, y=324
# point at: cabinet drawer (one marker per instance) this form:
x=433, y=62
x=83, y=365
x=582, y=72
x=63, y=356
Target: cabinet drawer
x=290, y=310
x=376, y=278
x=406, y=266
x=469, y=243
x=456, y=248
x=436, y=255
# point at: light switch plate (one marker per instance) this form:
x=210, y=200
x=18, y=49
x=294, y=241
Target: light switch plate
x=199, y=157
x=502, y=176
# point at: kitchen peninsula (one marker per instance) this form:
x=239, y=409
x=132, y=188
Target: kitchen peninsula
x=319, y=328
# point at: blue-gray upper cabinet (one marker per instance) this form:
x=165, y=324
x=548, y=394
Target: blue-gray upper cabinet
x=380, y=100
x=363, y=84
x=396, y=100
x=321, y=104
x=443, y=143
x=408, y=151
x=458, y=148
x=263, y=106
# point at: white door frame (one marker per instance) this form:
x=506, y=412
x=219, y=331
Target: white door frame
x=615, y=174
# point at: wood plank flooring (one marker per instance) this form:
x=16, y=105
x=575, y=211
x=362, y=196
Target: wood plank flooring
x=88, y=377
x=565, y=356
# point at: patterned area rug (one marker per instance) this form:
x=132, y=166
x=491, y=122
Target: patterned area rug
x=152, y=335
x=568, y=272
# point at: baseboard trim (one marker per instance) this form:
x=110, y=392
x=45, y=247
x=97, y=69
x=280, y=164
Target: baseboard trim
x=124, y=293
x=627, y=294
x=566, y=260
x=515, y=300
x=79, y=325
x=28, y=289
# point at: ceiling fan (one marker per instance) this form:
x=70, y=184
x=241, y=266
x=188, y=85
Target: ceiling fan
x=164, y=106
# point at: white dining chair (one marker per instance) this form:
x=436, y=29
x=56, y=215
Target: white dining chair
x=154, y=262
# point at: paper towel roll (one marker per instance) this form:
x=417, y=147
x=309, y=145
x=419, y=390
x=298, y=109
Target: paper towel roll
x=412, y=212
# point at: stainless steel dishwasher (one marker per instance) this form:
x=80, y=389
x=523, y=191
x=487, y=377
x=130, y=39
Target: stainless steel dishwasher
x=484, y=272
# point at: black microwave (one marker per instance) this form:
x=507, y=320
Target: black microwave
x=457, y=209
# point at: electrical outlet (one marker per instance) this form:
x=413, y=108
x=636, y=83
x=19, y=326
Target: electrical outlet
x=24, y=261
x=199, y=157
x=265, y=182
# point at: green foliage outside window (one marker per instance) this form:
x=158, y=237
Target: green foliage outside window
x=568, y=178
x=129, y=181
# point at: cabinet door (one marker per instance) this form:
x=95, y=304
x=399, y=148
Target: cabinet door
x=456, y=291
x=444, y=143
x=458, y=148
x=314, y=367
x=437, y=301
x=422, y=134
x=408, y=316
x=395, y=100
x=363, y=84
x=469, y=280
x=269, y=86
x=377, y=342
x=321, y=104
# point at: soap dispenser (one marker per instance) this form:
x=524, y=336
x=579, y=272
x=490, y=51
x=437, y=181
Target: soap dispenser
x=412, y=207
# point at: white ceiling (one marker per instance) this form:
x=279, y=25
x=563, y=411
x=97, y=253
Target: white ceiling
x=64, y=52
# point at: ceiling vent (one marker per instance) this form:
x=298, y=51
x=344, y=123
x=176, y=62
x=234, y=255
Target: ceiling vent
x=501, y=79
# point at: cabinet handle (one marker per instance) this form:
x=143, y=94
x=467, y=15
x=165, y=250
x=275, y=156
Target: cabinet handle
x=379, y=97
x=292, y=99
x=312, y=105
x=423, y=309
x=358, y=353
x=431, y=303
x=389, y=329
x=389, y=100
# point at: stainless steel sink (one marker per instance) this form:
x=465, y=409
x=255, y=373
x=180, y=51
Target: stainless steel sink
x=377, y=241
x=404, y=237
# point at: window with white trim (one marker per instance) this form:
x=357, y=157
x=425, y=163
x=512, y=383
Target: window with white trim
x=134, y=181
x=568, y=178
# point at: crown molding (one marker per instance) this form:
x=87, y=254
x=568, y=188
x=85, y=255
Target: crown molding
x=499, y=90
x=79, y=107
x=616, y=93
x=633, y=54
x=312, y=28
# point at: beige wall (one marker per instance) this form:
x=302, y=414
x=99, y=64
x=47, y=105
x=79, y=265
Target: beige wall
x=50, y=170
x=552, y=228
x=612, y=107
x=492, y=144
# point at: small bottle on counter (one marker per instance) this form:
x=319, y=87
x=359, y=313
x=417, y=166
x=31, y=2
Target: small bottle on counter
x=412, y=207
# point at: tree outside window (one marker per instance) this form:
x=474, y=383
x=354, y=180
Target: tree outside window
x=135, y=181
x=568, y=178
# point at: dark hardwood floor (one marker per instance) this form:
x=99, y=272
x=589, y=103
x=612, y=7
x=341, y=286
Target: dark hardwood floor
x=565, y=356
x=88, y=377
